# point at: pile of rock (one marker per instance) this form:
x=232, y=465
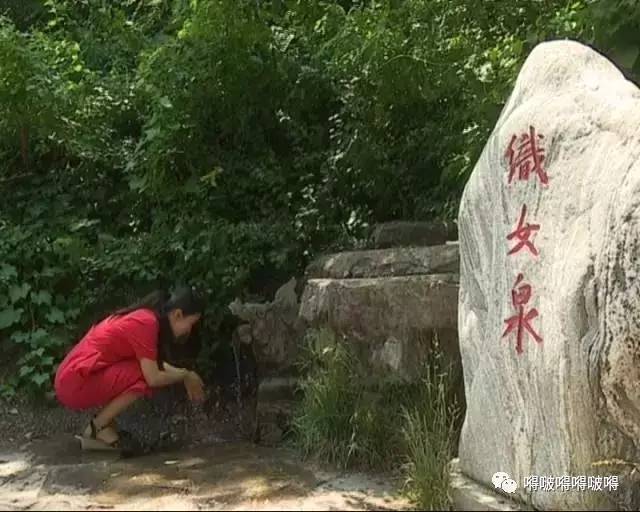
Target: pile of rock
x=390, y=302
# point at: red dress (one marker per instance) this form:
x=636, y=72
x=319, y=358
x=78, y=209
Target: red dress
x=105, y=363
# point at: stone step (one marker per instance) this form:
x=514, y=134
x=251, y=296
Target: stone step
x=412, y=234
x=386, y=263
x=466, y=494
x=391, y=321
x=274, y=419
x=277, y=388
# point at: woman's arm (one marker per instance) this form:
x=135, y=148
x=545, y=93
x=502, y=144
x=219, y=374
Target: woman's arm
x=174, y=368
x=157, y=378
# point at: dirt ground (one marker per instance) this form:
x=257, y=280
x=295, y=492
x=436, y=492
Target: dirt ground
x=46, y=470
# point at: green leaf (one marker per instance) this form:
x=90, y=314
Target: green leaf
x=36, y=338
x=47, y=361
x=9, y=317
x=51, y=271
x=40, y=378
x=139, y=183
x=19, y=292
x=55, y=316
x=25, y=370
x=165, y=102
x=56, y=341
x=72, y=314
x=20, y=337
x=84, y=223
x=7, y=391
x=7, y=271
x=41, y=297
x=39, y=334
x=211, y=178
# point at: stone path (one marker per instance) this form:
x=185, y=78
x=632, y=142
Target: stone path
x=53, y=474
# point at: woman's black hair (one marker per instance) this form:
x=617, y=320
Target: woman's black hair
x=187, y=299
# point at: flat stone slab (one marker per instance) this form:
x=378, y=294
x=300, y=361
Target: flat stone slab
x=54, y=474
x=387, y=304
x=386, y=263
x=391, y=321
x=412, y=234
x=467, y=494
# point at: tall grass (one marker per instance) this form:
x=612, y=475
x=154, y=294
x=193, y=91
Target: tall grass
x=353, y=421
x=430, y=433
x=323, y=423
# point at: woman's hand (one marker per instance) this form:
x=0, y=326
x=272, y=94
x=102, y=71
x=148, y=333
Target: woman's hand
x=194, y=386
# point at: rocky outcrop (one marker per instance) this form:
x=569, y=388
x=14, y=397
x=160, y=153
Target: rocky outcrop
x=391, y=321
x=273, y=329
x=395, y=262
x=548, y=313
x=394, y=306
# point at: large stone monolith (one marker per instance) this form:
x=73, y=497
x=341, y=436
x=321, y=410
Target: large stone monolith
x=549, y=305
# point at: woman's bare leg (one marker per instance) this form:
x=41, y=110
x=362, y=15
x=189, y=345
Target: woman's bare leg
x=106, y=416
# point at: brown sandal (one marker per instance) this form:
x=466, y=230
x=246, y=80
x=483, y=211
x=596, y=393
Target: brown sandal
x=95, y=444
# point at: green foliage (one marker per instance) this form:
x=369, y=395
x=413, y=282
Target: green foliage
x=348, y=419
x=430, y=435
x=323, y=424
x=616, y=31
x=222, y=141
x=23, y=13
x=33, y=317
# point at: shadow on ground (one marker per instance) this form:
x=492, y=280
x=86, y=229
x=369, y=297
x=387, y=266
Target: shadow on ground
x=53, y=473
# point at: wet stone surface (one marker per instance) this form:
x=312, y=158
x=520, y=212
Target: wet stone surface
x=166, y=421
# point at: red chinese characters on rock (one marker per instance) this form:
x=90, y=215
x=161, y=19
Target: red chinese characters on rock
x=526, y=155
x=521, y=321
x=523, y=233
